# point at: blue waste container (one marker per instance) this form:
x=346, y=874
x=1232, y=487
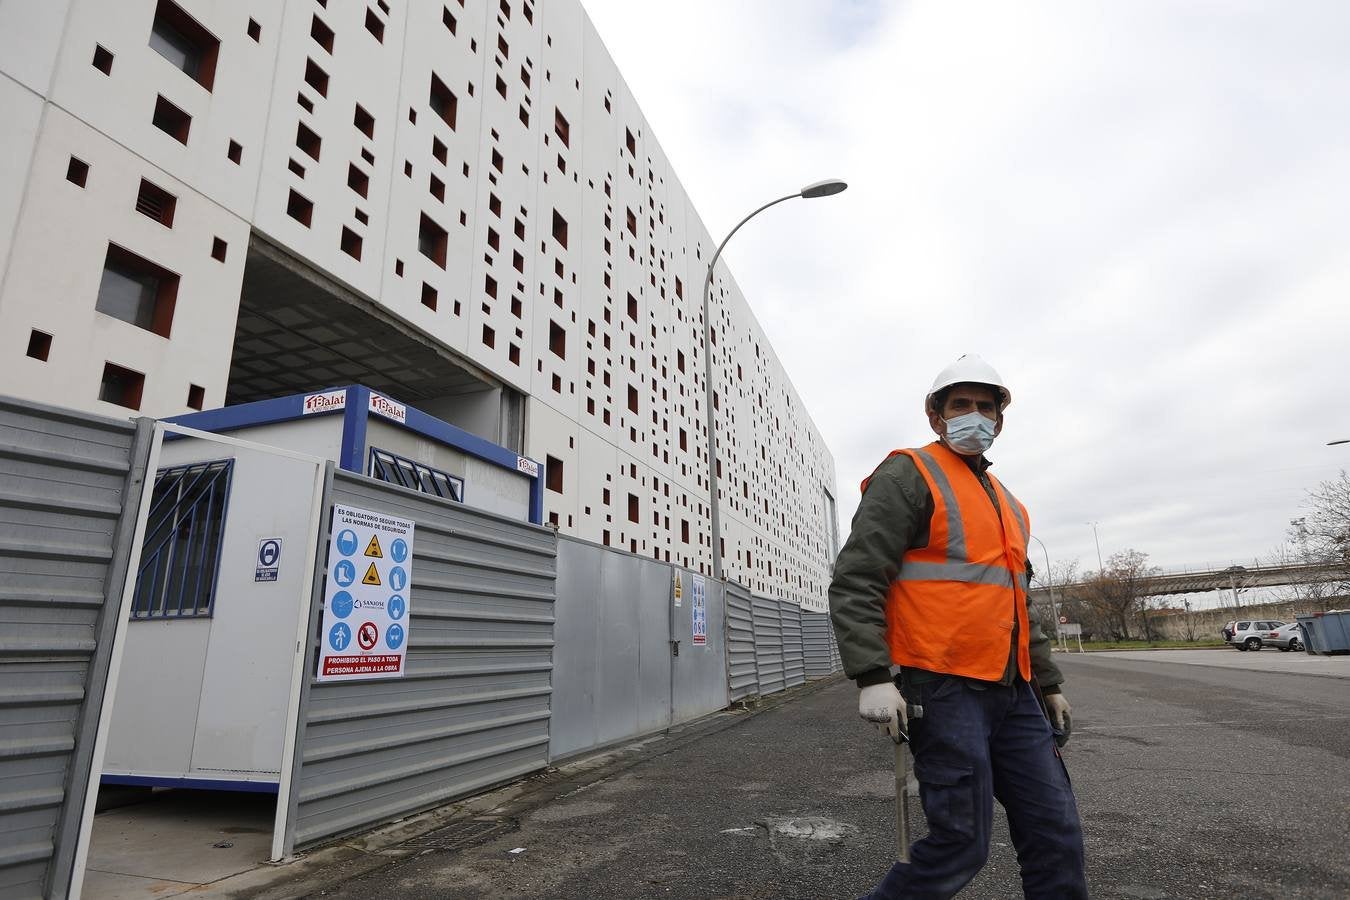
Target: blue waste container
x=1326, y=633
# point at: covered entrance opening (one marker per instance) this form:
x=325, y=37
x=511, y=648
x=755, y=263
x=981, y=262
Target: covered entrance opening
x=300, y=330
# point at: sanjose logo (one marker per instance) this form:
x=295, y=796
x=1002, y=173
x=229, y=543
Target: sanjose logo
x=321, y=403
x=528, y=466
x=388, y=408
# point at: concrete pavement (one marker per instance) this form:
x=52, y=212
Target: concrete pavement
x=1194, y=780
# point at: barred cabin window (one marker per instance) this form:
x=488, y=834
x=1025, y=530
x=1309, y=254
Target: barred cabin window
x=415, y=476
x=183, y=538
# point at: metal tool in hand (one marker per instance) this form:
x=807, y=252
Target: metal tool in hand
x=912, y=711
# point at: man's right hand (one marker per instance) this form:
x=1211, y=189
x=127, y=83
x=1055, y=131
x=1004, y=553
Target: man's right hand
x=882, y=705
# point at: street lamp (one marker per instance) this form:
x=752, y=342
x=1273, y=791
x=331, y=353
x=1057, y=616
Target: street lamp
x=1098, y=542
x=1050, y=583
x=826, y=188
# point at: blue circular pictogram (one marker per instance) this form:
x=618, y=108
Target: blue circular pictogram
x=399, y=550
x=269, y=553
x=397, y=606
x=346, y=542
x=341, y=605
x=339, y=636
x=398, y=579
x=344, y=573
x=393, y=636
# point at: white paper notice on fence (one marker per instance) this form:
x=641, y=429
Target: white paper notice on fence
x=366, y=610
x=699, y=608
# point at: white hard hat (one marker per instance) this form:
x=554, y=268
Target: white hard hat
x=969, y=369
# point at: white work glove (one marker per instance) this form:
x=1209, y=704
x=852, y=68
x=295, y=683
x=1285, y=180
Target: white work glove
x=1057, y=705
x=882, y=705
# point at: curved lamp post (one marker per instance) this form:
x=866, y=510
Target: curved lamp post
x=1050, y=584
x=825, y=188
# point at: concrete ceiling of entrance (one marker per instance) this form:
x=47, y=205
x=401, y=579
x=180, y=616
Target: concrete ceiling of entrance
x=300, y=331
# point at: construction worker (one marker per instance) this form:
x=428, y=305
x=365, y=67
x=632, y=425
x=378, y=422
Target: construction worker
x=933, y=578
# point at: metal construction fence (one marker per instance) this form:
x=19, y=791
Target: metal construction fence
x=473, y=709
x=70, y=495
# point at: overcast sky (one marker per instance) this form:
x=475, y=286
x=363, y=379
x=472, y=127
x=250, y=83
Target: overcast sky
x=1138, y=212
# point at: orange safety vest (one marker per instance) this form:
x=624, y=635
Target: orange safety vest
x=952, y=607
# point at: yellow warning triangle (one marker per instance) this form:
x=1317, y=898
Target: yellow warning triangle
x=678, y=588
x=372, y=575
x=373, y=548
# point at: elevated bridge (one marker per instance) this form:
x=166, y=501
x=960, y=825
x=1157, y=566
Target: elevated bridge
x=1230, y=578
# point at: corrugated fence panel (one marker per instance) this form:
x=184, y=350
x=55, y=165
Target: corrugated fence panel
x=70, y=489
x=473, y=709
x=794, y=667
x=742, y=677
x=768, y=644
x=817, y=636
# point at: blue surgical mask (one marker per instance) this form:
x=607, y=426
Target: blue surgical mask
x=970, y=434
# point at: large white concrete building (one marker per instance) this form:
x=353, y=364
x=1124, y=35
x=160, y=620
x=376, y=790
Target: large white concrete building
x=457, y=202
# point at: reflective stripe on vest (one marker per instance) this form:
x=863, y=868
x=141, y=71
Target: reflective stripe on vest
x=956, y=531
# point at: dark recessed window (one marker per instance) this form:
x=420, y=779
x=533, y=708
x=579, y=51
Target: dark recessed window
x=633, y=510
x=255, y=31
x=39, y=344
x=103, y=59
x=154, y=202
x=357, y=180
x=374, y=25
x=443, y=102
x=501, y=87
x=305, y=103
x=632, y=399
x=218, y=250
x=490, y=286
x=438, y=150
x=559, y=229
x=448, y=20
x=308, y=141
x=630, y=142
x=632, y=223
x=137, y=291
x=351, y=243
x=557, y=340
x=437, y=188
x=632, y=308
x=553, y=474
x=679, y=288
x=428, y=296
x=513, y=354
x=299, y=208
x=183, y=41
x=235, y=152
x=560, y=127
x=498, y=161
x=489, y=337
x=121, y=386
x=171, y=120
x=322, y=34
x=296, y=168
x=361, y=216
x=316, y=77
x=364, y=121
x=196, y=396
x=77, y=171
x=432, y=240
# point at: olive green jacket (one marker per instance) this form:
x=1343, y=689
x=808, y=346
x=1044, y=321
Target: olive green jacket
x=893, y=517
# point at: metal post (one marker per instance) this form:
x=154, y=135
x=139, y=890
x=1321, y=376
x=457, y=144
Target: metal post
x=714, y=514
x=1050, y=584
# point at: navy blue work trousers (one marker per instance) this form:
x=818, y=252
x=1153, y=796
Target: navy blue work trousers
x=973, y=746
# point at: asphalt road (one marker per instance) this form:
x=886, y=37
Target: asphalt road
x=1192, y=780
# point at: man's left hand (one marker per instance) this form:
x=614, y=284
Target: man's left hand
x=1057, y=705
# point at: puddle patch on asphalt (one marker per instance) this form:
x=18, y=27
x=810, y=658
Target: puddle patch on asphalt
x=809, y=828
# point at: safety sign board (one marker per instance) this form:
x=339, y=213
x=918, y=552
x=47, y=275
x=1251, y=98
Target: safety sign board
x=679, y=590
x=699, y=590
x=269, y=559
x=367, y=605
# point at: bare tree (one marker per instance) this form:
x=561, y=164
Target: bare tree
x=1119, y=594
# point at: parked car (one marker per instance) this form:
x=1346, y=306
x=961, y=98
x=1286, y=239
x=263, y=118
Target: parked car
x=1286, y=637
x=1253, y=634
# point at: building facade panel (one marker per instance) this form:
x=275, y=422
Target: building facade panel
x=482, y=180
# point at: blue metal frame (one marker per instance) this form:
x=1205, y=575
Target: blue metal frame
x=200, y=784
x=355, y=418
x=220, y=470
